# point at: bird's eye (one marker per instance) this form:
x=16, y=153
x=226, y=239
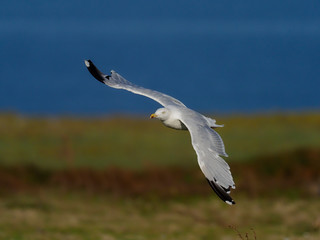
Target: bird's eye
x=163, y=112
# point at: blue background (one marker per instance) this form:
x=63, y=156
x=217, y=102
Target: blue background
x=215, y=56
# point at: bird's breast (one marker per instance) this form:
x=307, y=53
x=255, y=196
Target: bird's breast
x=175, y=124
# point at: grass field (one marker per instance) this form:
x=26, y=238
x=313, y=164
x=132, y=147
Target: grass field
x=118, y=178
x=72, y=142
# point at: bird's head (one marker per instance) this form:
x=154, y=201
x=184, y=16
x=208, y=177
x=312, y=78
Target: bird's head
x=161, y=114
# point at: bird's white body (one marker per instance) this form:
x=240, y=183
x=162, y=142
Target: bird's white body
x=175, y=124
x=206, y=142
x=166, y=116
x=173, y=120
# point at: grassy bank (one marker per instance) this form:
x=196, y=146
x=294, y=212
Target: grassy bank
x=134, y=179
x=292, y=174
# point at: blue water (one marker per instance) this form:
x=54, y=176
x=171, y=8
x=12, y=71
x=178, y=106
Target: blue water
x=215, y=56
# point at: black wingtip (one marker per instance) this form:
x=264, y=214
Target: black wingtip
x=221, y=192
x=95, y=72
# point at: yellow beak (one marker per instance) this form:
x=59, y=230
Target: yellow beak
x=153, y=115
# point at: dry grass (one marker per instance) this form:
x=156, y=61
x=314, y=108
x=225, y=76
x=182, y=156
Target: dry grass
x=58, y=215
x=163, y=203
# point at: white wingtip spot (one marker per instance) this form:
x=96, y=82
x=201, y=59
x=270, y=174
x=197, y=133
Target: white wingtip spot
x=228, y=202
x=86, y=62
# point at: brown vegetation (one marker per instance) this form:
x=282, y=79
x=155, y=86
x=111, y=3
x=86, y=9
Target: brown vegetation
x=295, y=173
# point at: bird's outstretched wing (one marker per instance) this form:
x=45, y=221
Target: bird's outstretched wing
x=117, y=81
x=209, y=147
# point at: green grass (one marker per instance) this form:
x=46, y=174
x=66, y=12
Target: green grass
x=251, y=136
x=135, y=143
x=59, y=215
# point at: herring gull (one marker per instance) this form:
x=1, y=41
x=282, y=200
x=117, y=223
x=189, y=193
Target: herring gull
x=206, y=142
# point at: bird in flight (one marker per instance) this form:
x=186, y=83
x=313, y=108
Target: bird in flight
x=206, y=142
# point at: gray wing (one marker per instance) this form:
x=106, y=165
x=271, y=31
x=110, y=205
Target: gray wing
x=209, y=146
x=117, y=81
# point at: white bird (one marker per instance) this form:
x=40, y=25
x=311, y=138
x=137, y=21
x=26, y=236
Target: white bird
x=206, y=142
